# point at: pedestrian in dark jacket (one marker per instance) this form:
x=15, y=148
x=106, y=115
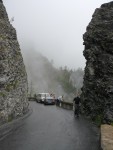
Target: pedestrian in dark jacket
x=76, y=102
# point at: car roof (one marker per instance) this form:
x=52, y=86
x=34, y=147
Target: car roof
x=43, y=93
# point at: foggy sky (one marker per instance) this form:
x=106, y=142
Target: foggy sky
x=53, y=27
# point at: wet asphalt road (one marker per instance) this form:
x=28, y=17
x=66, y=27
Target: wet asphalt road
x=52, y=128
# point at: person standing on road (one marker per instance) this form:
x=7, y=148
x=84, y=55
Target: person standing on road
x=76, y=102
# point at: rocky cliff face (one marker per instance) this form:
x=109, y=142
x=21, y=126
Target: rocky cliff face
x=97, y=91
x=13, y=79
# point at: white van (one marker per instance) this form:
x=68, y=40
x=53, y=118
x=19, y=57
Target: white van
x=40, y=97
x=45, y=98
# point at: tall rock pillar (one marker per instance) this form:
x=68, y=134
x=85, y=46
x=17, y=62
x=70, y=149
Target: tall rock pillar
x=13, y=78
x=97, y=91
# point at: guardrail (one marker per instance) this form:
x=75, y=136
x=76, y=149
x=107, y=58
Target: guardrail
x=31, y=98
x=66, y=105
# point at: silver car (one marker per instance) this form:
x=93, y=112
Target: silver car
x=49, y=100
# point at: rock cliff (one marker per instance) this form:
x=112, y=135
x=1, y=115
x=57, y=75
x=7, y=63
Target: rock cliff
x=97, y=91
x=13, y=78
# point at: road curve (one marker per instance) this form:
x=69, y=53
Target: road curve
x=52, y=128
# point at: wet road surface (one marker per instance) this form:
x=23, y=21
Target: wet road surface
x=52, y=128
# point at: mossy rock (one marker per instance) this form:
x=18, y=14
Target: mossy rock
x=10, y=117
x=11, y=86
x=2, y=94
x=98, y=120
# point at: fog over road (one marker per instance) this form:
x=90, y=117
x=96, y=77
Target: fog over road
x=52, y=128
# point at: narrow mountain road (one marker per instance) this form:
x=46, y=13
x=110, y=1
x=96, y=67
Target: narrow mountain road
x=52, y=128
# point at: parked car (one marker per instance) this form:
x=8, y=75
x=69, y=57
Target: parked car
x=45, y=98
x=40, y=97
x=49, y=100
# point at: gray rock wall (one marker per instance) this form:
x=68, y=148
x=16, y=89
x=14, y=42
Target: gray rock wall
x=13, y=79
x=97, y=91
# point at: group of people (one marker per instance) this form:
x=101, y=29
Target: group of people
x=59, y=100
